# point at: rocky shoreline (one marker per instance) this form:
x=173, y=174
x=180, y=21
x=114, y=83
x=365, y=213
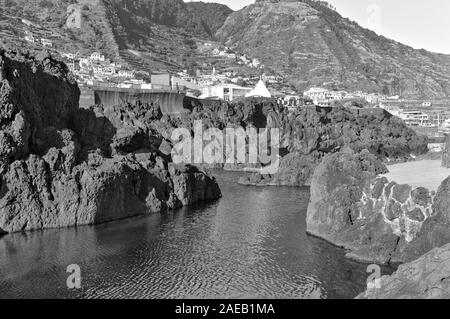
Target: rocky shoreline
x=382, y=222
x=64, y=166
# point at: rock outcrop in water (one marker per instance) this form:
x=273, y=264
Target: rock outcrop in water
x=306, y=135
x=310, y=133
x=376, y=220
x=425, y=278
x=64, y=166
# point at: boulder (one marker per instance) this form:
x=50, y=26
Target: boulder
x=310, y=133
x=435, y=229
x=446, y=153
x=192, y=185
x=374, y=219
x=130, y=139
x=32, y=197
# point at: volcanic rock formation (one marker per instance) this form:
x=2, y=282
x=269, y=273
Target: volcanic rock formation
x=425, y=278
x=64, y=166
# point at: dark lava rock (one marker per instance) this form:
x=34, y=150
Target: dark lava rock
x=446, y=153
x=401, y=193
x=64, y=166
x=428, y=277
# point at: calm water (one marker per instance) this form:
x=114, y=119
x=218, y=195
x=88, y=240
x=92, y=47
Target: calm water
x=250, y=244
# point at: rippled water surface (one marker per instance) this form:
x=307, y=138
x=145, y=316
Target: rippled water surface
x=249, y=244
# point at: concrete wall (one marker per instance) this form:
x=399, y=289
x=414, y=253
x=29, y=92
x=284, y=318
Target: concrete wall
x=86, y=97
x=160, y=79
x=170, y=102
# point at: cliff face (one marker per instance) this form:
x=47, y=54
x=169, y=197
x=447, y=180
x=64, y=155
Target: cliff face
x=311, y=133
x=35, y=94
x=64, y=166
x=313, y=45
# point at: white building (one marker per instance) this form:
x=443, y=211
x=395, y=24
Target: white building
x=373, y=98
x=146, y=86
x=271, y=79
x=109, y=70
x=336, y=95
x=322, y=102
x=126, y=74
x=97, y=57
x=226, y=92
x=98, y=70
x=28, y=23
x=84, y=63
x=70, y=56
x=393, y=97
x=415, y=118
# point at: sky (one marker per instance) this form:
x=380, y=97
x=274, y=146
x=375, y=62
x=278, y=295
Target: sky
x=422, y=24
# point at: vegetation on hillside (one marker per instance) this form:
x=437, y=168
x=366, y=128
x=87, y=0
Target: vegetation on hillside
x=311, y=44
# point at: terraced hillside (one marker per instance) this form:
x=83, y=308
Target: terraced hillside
x=145, y=34
x=313, y=45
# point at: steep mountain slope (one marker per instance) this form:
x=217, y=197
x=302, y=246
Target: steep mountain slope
x=312, y=44
x=146, y=34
